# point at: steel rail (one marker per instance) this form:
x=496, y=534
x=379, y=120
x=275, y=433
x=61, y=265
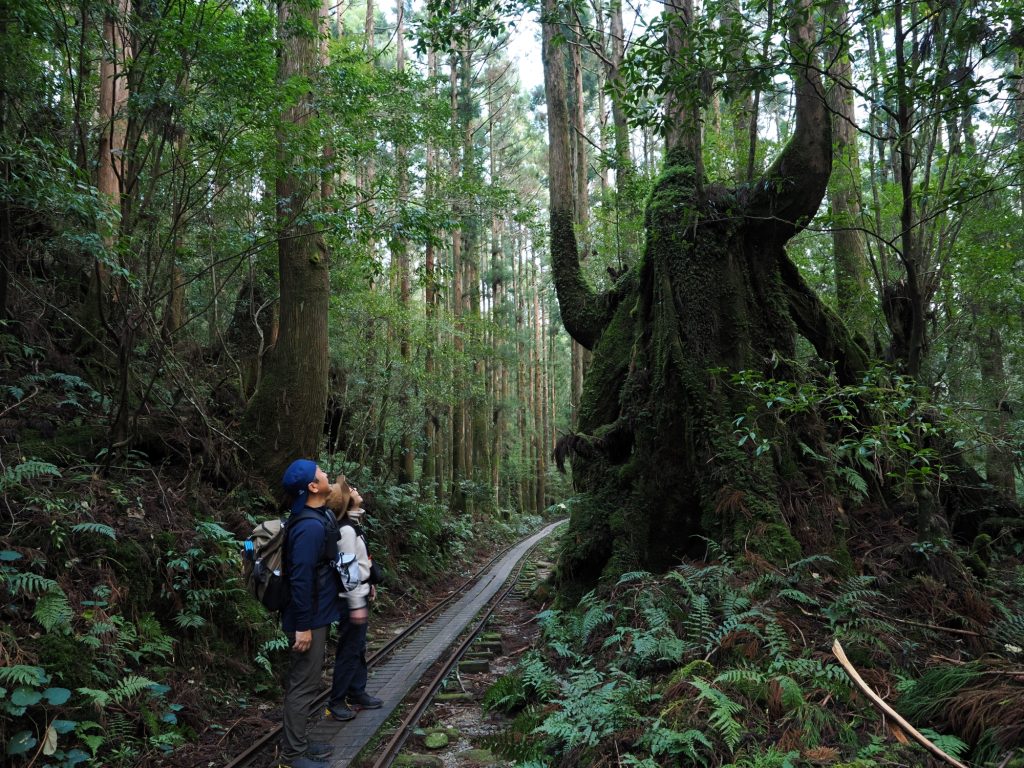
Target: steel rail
x=245, y=757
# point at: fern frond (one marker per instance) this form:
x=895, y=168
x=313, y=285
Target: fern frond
x=97, y=528
x=951, y=745
x=129, y=687
x=777, y=639
x=26, y=472
x=53, y=610
x=687, y=744
x=97, y=698
x=186, y=620
x=23, y=674
x=595, y=616
x=723, y=712
x=798, y=597
x=1010, y=632
x=31, y=583
x=631, y=576
x=806, y=562
x=699, y=622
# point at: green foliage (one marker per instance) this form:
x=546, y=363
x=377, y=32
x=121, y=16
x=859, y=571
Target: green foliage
x=24, y=473
x=698, y=665
x=883, y=426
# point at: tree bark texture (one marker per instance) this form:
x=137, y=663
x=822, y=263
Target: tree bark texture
x=854, y=297
x=284, y=419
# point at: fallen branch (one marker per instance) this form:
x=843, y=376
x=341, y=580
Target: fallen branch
x=840, y=654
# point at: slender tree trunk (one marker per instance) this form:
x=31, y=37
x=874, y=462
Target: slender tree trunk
x=431, y=472
x=458, y=428
x=627, y=198
x=682, y=116
x=854, y=296
x=113, y=98
x=999, y=465
x=538, y=393
x=522, y=359
x=174, y=314
x=285, y=417
x=400, y=249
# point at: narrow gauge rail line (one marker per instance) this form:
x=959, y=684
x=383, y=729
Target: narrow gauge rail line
x=405, y=728
x=247, y=756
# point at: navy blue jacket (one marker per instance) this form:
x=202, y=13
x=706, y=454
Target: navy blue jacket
x=311, y=549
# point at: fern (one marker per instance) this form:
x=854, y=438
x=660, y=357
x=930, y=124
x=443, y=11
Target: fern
x=733, y=624
x=632, y=576
x=186, y=620
x=777, y=639
x=97, y=528
x=507, y=694
x=806, y=562
x=31, y=583
x=275, y=644
x=798, y=597
x=1009, y=631
x=29, y=470
x=97, y=698
x=53, y=610
x=595, y=616
x=924, y=699
x=723, y=713
x=771, y=758
x=22, y=674
x=951, y=745
x=699, y=622
x=679, y=744
x=538, y=678
x=130, y=687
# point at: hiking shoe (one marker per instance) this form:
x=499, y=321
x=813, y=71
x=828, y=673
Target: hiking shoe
x=302, y=762
x=319, y=750
x=363, y=700
x=340, y=714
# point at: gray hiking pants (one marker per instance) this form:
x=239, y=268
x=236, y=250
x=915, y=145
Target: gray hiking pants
x=305, y=672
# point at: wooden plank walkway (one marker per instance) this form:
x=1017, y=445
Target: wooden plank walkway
x=401, y=672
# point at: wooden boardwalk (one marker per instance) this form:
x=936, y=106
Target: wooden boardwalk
x=402, y=671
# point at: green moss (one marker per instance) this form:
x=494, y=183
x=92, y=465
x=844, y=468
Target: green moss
x=70, y=441
x=844, y=560
x=136, y=567
x=68, y=659
x=773, y=541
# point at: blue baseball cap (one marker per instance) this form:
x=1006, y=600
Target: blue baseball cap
x=296, y=480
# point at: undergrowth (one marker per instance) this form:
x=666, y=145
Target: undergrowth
x=726, y=666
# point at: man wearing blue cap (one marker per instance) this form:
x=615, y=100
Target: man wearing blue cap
x=310, y=549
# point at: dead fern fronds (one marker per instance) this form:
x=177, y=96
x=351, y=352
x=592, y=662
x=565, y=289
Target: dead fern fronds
x=988, y=706
x=730, y=501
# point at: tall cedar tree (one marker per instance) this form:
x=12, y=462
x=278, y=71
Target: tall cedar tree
x=285, y=417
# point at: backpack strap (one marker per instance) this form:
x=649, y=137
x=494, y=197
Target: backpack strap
x=359, y=532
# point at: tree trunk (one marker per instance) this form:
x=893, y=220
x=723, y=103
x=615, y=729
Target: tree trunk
x=458, y=426
x=113, y=98
x=285, y=417
x=999, y=464
x=854, y=297
x=655, y=453
x=407, y=468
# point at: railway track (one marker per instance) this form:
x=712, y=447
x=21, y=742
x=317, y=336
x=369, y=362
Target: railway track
x=399, y=666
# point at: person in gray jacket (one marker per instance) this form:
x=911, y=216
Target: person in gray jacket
x=348, y=688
